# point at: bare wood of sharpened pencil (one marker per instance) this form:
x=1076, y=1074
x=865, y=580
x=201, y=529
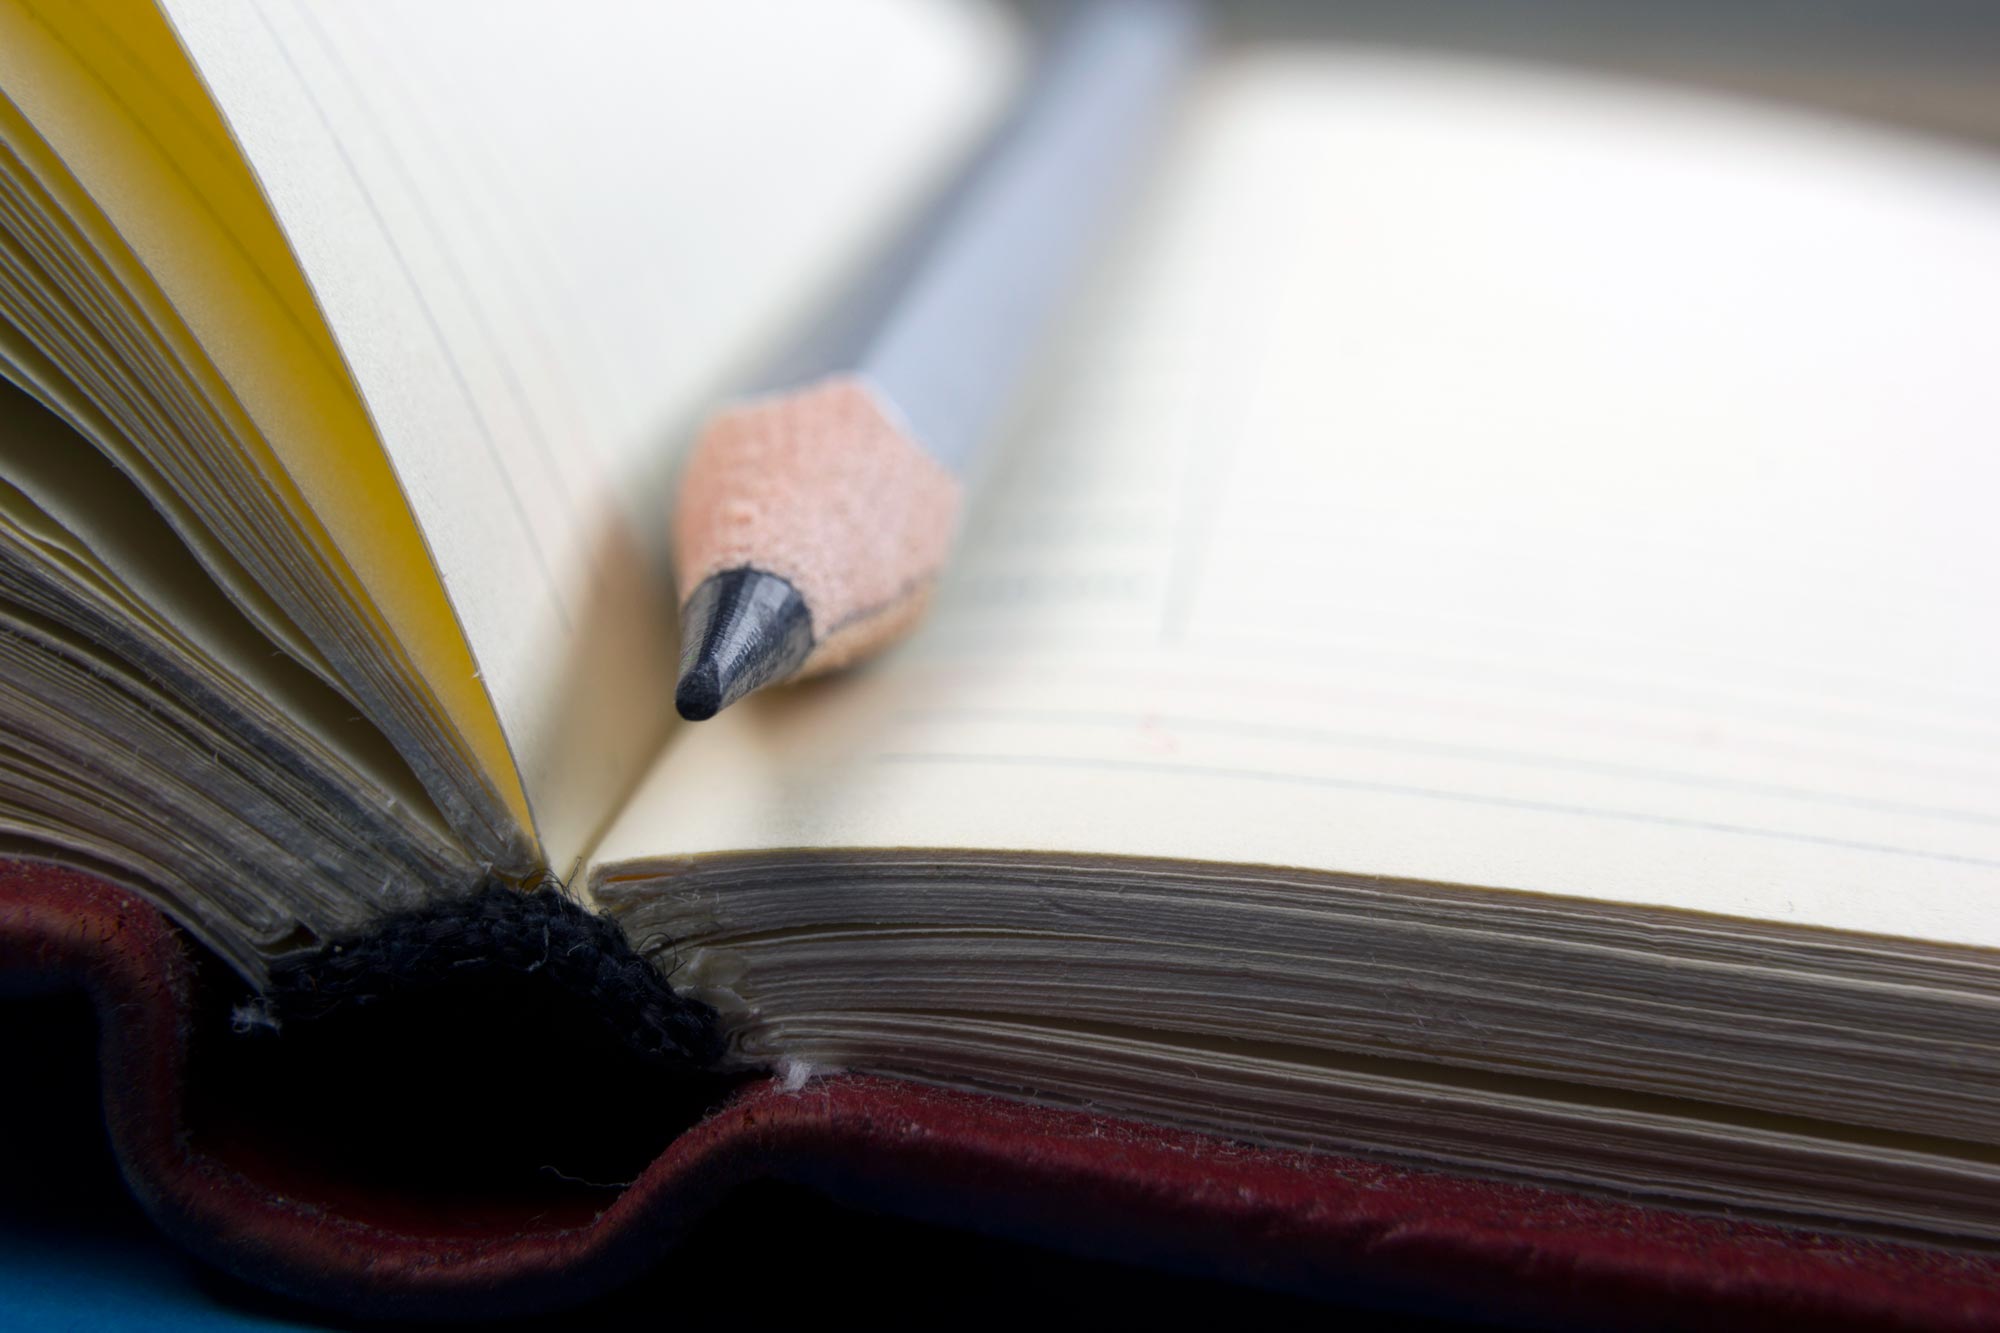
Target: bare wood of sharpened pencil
x=815, y=515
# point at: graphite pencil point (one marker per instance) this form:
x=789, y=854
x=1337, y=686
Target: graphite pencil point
x=740, y=629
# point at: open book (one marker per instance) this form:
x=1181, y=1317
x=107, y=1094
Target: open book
x=1479, y=648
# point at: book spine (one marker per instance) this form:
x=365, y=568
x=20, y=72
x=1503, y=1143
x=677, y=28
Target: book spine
x=500, y=933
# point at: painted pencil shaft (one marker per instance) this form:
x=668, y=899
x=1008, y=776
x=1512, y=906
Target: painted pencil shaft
x=943, y=327
x=842, y=479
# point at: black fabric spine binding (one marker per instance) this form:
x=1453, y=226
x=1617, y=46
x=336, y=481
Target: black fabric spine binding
x=498, y=932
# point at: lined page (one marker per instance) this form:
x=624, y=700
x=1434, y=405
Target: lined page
x=1473, y=476
x=542, y=237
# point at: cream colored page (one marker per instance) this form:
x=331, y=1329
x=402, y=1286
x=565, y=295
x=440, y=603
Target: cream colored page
x=1476, y=478
x=542, y=236
x=69, y=503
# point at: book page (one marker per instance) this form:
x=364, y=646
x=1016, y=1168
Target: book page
x=1471, y=475
x=542, y=238
x=150, y=300
x=67, y=502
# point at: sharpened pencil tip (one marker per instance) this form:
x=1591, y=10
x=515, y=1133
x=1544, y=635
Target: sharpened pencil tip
x=698, y=697
x=740, y=629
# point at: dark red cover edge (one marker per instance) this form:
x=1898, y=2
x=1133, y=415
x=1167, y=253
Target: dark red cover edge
x=1083, y=1183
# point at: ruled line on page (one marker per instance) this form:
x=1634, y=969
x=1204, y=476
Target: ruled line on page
x=1331, y=738
x=528, y=412
x=522, y=512
x=1156, y=768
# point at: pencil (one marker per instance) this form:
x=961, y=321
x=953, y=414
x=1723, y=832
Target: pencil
x=816, y=513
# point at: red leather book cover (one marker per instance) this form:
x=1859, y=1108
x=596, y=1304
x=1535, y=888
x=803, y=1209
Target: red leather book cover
x=235, y=1193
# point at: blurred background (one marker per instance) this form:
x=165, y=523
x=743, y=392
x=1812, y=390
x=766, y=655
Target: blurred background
x=1933, y=65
